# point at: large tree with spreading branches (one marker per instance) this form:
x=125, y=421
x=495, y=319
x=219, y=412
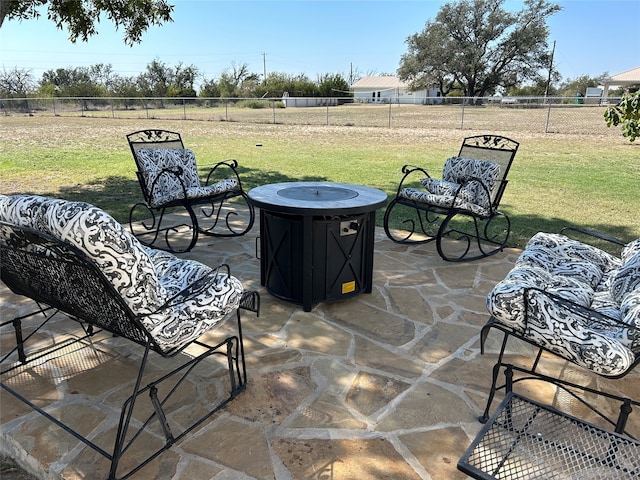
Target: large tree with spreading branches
x=80, y=17
x=478, y=46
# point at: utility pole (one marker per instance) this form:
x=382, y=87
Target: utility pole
x=546, y=90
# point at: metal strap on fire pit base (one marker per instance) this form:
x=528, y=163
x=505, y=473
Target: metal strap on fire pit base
x=525, y=440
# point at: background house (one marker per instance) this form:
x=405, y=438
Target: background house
x=623, y=79
x=390, y=89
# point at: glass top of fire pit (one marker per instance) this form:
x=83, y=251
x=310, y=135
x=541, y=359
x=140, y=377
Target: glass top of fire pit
x=319, y=193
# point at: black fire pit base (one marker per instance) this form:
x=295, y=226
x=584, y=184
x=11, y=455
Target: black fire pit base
x=316, y=239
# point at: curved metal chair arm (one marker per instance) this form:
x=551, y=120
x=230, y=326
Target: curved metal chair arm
x=409, y=171
x=220, y=167
x=593, y=233
x=176, y=172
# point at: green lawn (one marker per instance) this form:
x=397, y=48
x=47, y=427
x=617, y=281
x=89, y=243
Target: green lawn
x=556, y=179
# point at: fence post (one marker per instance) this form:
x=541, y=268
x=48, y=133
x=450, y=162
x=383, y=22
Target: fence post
x=389, y=113
x=546, y=127
x=464, y=99
x=184, y=109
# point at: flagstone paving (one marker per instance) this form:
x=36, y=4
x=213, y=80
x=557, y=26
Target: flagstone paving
x=386, y=385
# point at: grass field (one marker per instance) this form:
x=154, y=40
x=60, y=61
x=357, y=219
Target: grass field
x=557, y=179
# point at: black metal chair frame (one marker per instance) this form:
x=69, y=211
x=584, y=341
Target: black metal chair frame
x=157, y=138
x=60, y=278
x=421, y=220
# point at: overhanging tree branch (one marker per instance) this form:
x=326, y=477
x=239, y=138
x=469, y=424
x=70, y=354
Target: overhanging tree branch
x=79, y=17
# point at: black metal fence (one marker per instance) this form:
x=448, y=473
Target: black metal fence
x=570, y=115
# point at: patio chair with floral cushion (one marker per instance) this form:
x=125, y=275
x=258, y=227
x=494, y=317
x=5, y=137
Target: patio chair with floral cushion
x=575, y=300
x=462, y=205
x=77, y=263
x=170, y=181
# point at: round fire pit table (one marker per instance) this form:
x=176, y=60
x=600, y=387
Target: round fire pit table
x=316, y=239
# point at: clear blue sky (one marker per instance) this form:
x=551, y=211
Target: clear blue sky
x=311, y=37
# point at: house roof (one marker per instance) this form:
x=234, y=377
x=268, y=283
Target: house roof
x=624, y=78
x=380, y=82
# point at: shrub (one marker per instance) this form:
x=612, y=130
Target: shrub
x=626, y=114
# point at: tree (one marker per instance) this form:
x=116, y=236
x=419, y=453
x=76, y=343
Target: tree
x=72, y=82
x=80, y=17
x=479, y=46
x=155, y=81
x=238, y=82
x=573, y=86
x=333, y=85
x=626, y=114
x=16, y=83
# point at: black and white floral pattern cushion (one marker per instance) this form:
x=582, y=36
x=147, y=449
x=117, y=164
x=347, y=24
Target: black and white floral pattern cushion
x=166, y=187
x=466, y=184
x=575, y=300
x=147, y=280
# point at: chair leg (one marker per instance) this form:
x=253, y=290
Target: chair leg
x=494, y=376
x=415, y=229
x=487, y=234
x=231, y=348
x=221, y=223
x=152, y=228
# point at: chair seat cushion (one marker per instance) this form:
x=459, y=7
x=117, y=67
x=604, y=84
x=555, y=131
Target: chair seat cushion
x=466, y=184
x=118, y=254
x=554, y=261
x=626, y=279
x=443, y=201
x=181, y=322
x=565, y=247
x=199, y=192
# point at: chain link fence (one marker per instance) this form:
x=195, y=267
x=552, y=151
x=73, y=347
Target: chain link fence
x=567, y=115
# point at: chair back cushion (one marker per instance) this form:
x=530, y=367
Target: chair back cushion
x=461, y=170
x=118, y=254
x=626, y=279
x=167, y=173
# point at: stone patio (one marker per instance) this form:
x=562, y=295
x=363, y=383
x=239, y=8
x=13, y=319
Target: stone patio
x=386, y=385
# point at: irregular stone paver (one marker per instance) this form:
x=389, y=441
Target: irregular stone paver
x=370, y=322
x=426, y=405
x=438, y=451
x=371, y=393
x=442, y=341
x=237, y=445
x=273, y=396
x=371, y=355
x=385, y=385
x=326, y=412
x=374, y=459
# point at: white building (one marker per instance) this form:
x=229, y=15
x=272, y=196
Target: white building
x=390, y=89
